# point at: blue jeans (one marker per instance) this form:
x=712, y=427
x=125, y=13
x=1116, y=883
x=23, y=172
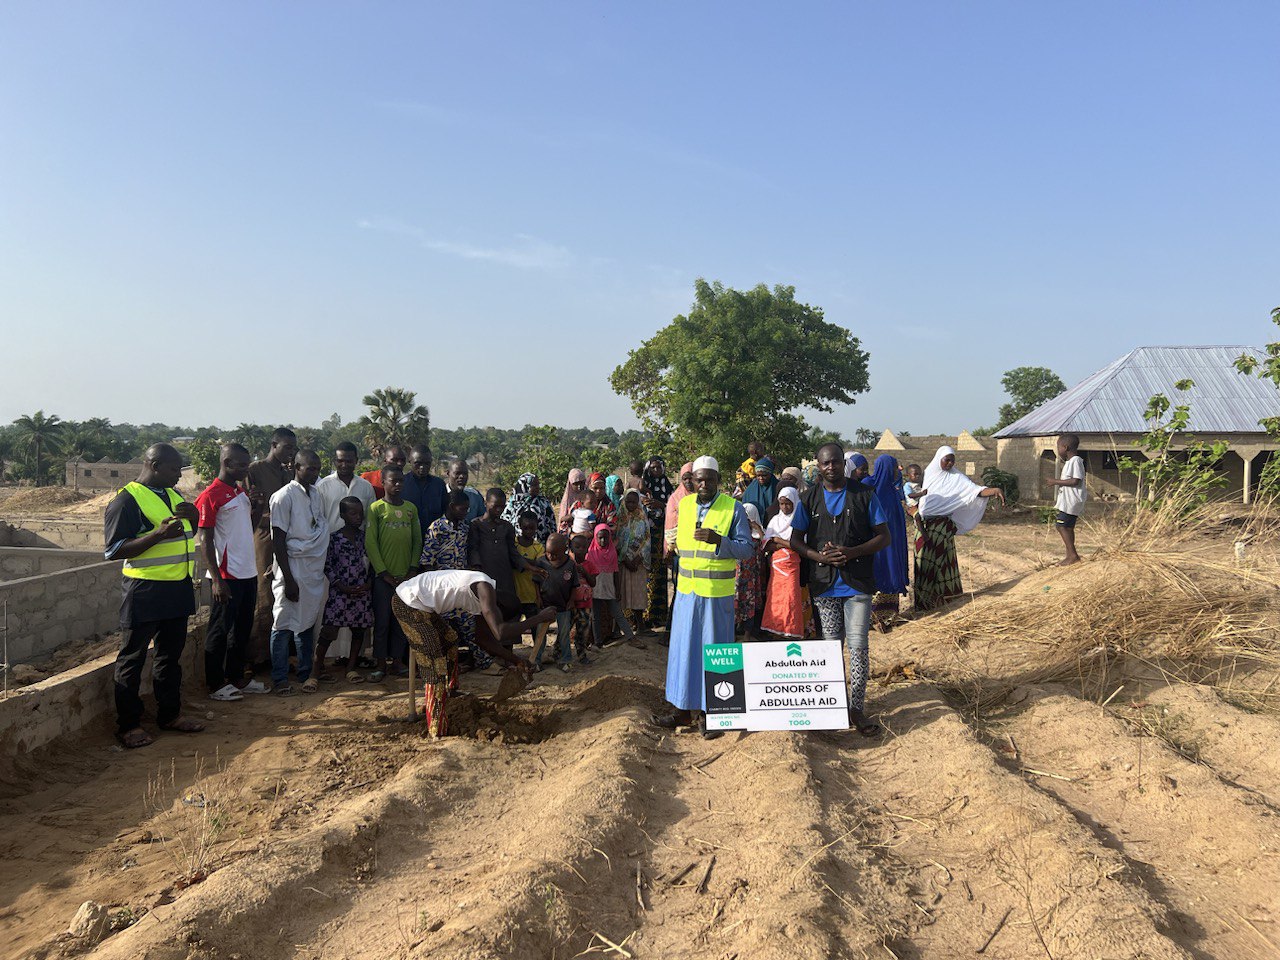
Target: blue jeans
x=849, y=619
x=280, y=654
x=564, y=624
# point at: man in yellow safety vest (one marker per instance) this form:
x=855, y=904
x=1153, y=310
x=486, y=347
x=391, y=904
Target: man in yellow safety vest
x=712, y=535
x=151, y=528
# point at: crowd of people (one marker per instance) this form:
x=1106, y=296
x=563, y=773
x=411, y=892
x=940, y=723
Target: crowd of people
x=396, y=563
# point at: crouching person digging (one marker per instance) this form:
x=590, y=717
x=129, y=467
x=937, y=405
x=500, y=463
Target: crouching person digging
x=421, y=605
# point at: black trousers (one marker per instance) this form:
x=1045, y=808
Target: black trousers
x=170, y=637
x=226, y=641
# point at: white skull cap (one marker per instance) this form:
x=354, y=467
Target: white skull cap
x=706, y=463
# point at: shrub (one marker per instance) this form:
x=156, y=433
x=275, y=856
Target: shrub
x=1007, y=482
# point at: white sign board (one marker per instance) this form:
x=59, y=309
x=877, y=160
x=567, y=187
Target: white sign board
x=776, y=685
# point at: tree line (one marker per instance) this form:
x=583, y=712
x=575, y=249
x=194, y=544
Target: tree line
x=739, y=366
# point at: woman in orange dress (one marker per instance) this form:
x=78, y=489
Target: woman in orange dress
x=787, y=608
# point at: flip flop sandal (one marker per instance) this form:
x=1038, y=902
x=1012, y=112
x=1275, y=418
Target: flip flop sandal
x=310, y=685
x=183, y=726
x=327, y=678
x=377, y=676
x=135, y=739
x=353, y=677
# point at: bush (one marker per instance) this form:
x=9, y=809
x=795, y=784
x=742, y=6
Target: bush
x=1007, y=482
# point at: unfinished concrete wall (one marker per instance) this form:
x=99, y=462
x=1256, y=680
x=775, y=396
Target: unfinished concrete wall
x=61, y=706
x=19, y=562
x=49, y=610
x=38, y=532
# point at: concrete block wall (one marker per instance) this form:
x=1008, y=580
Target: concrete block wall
x=61, y=706
x=49, y=610
x=37, y=532
x=19, y=562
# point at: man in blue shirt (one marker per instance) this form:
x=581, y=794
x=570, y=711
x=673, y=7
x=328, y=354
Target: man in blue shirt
x=836, y=528
x=426, y=492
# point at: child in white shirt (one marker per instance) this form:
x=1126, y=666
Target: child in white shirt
x=1071, y=493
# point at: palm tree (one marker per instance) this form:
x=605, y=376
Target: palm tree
x=99, y=432
x=80, y=441
x=40, y=433
x=256, y=439
x=394, y=418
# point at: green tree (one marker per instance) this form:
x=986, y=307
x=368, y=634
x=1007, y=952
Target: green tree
x=254, y=437
x=1176, y=482
x=394, y=417
x=1028, y=388
x=736, y=367
x=206, y=458
x=1268, y=368
x=818, y=437
x=7, y=448
x=40, y=434
x=866, y=437
x=544, y=452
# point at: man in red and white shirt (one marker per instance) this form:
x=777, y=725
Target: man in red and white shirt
x=227, y=519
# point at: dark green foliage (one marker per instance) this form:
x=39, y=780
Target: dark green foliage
x=1028, y=388
x=1268, y=368
x=1008, y=482
x=736, y=369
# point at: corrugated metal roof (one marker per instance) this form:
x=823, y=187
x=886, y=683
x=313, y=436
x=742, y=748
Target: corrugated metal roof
x=1222, y=401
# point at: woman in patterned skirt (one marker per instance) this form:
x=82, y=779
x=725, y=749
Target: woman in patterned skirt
x=954, y=505
x=654, y=495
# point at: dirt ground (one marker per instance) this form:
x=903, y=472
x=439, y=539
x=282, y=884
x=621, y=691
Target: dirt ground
x=562, y=824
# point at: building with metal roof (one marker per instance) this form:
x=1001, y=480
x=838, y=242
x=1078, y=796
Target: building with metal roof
x=1106, y=411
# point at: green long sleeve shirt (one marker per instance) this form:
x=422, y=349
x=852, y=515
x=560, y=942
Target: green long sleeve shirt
x=392, y=538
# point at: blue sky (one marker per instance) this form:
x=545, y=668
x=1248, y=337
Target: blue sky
x=212, y=213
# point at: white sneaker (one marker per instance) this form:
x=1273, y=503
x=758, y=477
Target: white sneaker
x=229, y=692
x=254, y=686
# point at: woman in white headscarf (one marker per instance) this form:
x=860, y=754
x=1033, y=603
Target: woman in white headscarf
x=787, y=608
x=953, y=505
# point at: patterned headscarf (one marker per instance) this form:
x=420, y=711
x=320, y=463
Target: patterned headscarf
x=633, y=530
x=660, y=488
x=522, y=499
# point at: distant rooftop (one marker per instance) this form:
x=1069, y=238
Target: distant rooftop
x=1113, y=400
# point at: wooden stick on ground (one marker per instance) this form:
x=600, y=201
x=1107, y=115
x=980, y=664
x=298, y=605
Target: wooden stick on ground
x=999, y=927
x=702, y=884
x=613, y=947
x=413, y=683
x=682, y=874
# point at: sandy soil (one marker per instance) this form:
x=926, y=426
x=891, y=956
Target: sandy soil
x=561, y=823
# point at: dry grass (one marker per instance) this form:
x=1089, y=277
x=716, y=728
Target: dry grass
x=188, y=825
x=1167, y=592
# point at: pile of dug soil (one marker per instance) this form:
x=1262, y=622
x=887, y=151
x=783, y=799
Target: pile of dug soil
x=41, y=499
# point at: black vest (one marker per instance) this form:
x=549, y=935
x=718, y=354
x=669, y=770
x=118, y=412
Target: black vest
x=850, y=529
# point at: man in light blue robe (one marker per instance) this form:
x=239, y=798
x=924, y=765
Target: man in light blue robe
x=698, y=621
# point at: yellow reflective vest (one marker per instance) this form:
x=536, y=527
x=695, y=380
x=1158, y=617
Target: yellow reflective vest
x=702, y=573
x=170, y=559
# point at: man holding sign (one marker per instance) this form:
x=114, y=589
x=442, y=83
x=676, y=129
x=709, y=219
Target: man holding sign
x=712, y=535
x=836, y=528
